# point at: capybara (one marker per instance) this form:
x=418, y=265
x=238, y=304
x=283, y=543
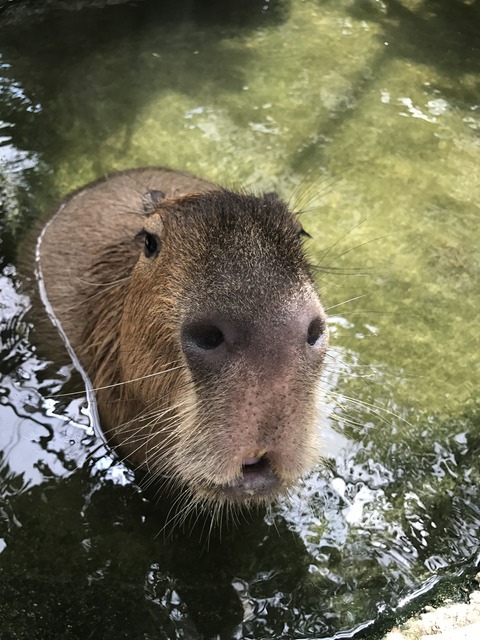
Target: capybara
x=195, y=313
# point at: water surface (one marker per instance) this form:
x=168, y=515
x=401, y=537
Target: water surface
x=365, y=116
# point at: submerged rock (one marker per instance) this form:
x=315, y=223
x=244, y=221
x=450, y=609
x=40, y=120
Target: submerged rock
x=459, y=621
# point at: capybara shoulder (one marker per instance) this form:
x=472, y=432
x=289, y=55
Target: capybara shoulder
x=195, y=313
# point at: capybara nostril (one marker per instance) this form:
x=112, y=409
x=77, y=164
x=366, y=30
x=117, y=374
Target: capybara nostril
x=316, y=329
x=209, y=341
x=203, y=337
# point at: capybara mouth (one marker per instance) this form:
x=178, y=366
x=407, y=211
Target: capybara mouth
x=257, y=480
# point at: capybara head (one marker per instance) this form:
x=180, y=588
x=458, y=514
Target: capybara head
x=222, y=339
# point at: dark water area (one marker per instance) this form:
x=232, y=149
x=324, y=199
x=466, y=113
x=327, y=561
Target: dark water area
x=363, y=114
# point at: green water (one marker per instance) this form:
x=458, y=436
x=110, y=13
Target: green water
x=365, y=115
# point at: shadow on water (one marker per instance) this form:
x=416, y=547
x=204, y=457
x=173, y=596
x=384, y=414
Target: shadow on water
x=248, y=14
x=442, y=35
x=413, y=33
x=82, y=579
x=95, y=48
x=438, y=34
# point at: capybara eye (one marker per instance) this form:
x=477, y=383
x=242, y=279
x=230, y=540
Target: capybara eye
x=205, y=336
x=152, y=245
x=315, y=330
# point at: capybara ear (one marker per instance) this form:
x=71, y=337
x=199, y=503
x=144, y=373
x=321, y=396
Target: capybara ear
x=151, y=201
x=271, y=196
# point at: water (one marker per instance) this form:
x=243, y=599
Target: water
x=365, y=115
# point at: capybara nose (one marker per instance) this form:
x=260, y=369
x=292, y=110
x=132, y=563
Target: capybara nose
x=217, y=339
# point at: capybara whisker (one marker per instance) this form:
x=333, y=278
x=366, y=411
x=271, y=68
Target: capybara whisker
x=340, y=304
x=317, y=188
x=117, y=384
x=195, y=313
x=381, y=413
x=141, y=378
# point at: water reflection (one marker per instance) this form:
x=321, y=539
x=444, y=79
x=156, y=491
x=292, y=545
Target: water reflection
x=37, y=441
